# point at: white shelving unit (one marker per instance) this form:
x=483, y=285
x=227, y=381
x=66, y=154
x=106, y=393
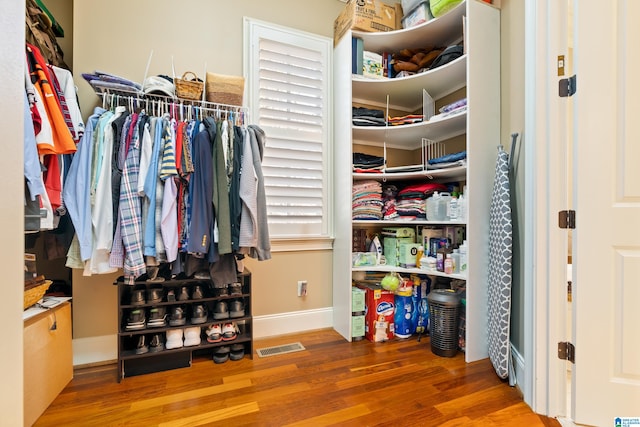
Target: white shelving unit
x=478, y=71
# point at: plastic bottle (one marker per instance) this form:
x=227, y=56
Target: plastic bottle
x=462, y=208
x=443, y=207
x=463, y=258
x=419, y=256
x=455, y=257
x=453, y=209
x=448, y=264
x=432, y=207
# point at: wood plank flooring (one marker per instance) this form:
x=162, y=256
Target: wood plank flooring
x=331, y=382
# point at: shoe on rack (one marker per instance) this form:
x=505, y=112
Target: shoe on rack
x=214, y=333
x=237, y=352
x=157, y=317
x=192, y=336
x=221, y=291
x=156, y=294
x=142, y=346
x=221, y=310
x=236, y=308
x=221, y=354
x=136, y=319
x=236, y=288
x=197, y=292
x=229, y=331
x=184, y=294
x=178, y=316
x=174, y=339
x=138, y=297
x=171, y=295
x=156, y=344
x=199, y=314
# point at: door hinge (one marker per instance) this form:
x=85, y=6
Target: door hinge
x=567, y=87
x=566, y=351
x=567, y=219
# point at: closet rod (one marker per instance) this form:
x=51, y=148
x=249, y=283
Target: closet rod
x=139, y=96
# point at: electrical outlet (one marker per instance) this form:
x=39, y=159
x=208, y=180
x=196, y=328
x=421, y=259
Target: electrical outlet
x=302, y=288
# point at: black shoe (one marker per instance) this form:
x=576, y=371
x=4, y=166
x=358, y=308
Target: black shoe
x=136, y=319
x=199, y=314
x=156, y=295
x=221, y=311
x=237, y=352
x=197, y=292
x=157, y=317
x=171, y=295
x=221, y=354
x=156, y=344
x=236, y=288
x=142, y=346
x=138, y=297
x=178, y=317
x=184, y=294
x=236, y=309
x=221, y=291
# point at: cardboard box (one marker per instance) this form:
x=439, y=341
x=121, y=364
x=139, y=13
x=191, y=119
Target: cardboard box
x=378, y=314
x=357, y=300
x=357, y=326
x=364, y=15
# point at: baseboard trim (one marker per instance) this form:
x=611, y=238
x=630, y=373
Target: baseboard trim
x=292, y=322
x=95, y=351
x=518, y=365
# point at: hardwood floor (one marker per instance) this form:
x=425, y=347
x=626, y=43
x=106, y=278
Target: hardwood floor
x=331, y=382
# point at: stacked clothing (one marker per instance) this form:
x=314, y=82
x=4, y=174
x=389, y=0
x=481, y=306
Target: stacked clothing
x=448, y=160
x=368, y=117
x=406, y=120
x=389, y=194
x=367, y=163
x=367, y=200
x=101, y=82
x=411, y=199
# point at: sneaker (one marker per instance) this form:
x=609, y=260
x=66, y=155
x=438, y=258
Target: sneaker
x=199, y=314
x=156, y=344
x=142, y=346
x=136, y=319
x=221, y=354
x=184, y=294
x=221, y=310
x=197, y=292
x=237, y=352
x=157, y=317
x=178, y=317
x=236, y=309
x=174, y=339
x=236, y=288
x=229, y=332
x=192, y=336
x=214, y=333
x=156, y=295
x=138, y=297
x=221, y=291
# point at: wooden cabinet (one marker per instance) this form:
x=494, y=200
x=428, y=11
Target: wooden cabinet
x=474, y=76
x=48, y=359
x=133, y=360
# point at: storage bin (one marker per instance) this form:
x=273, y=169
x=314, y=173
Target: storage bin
x=418, y=15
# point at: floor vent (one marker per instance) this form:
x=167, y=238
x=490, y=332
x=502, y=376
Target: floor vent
x=280, y=349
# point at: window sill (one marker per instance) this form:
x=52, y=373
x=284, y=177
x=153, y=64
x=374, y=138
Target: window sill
x=302, y=244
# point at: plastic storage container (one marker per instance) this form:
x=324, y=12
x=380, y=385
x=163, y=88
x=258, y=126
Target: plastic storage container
x=444, y=311
x=419, y=14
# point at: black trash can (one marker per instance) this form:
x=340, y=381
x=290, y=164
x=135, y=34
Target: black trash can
x=444, y=311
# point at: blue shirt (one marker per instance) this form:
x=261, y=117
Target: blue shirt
x=76, y=191
x=32, y=170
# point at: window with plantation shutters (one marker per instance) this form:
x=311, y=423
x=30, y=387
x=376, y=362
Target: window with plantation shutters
x=288, y=83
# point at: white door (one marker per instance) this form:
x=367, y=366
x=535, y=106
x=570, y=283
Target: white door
x=606, y=244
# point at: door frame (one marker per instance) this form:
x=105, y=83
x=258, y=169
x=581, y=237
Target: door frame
x=545, y=385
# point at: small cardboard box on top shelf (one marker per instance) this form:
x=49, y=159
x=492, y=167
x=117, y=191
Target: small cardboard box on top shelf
x=366, y=15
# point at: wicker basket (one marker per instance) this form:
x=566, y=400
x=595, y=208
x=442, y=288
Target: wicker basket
x=223, y=89
x=34, y=294
x=189, y=89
